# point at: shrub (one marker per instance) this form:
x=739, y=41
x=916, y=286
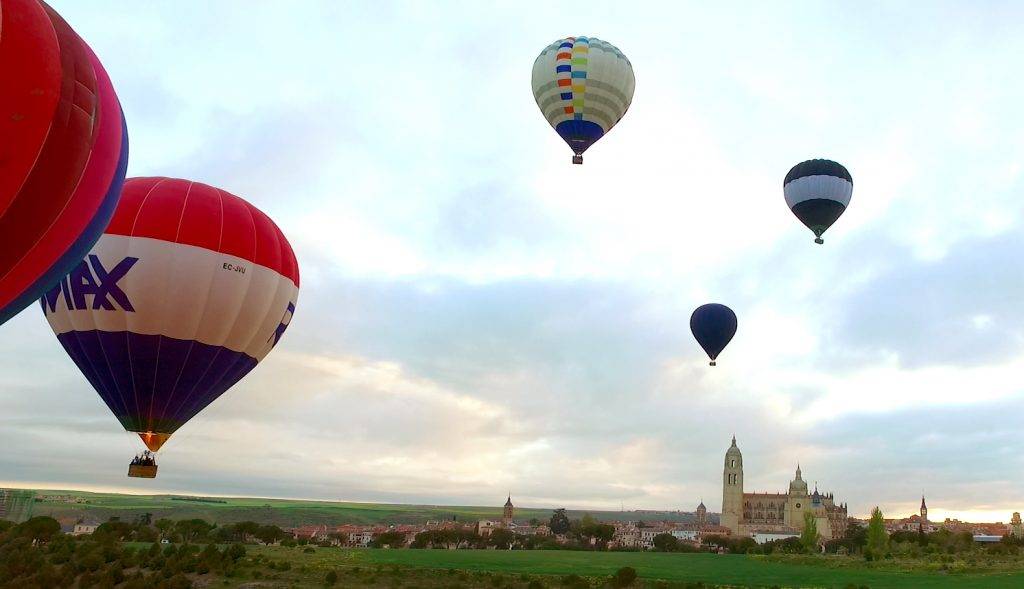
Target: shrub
x=331, y=579
x=624, y=577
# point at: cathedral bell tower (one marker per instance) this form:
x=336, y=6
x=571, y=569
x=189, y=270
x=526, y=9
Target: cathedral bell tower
x=924, y=516
x=732, y=488
x=508, y=512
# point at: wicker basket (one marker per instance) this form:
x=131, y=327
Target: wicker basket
x=142, y=471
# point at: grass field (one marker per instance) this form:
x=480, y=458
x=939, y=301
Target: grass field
x=736, y=570
x=285, y=513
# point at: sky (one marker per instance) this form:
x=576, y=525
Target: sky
x=478, y=316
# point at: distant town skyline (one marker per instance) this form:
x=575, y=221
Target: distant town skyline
x=477, y=314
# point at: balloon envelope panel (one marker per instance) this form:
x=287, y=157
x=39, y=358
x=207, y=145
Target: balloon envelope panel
x=583, y=87
x=713, y=325
x=63, y=155
x=189, y=288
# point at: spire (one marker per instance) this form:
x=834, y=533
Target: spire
x=509, y=502
x=798, y=473
x=923, y=506
x=734, y=440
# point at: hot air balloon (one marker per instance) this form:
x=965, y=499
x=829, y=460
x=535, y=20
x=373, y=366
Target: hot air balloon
x=818, y=192
x=186, y=291
x=583, y=87
x=713, y=325
x=63, y=151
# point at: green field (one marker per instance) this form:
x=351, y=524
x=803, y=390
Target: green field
x=286, y=512
x=736, y=570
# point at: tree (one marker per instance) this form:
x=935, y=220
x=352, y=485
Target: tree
x=604, y=532
x=878, y=540
x=234, y=552
x=192, y=530
x=559, y=523
x=501, y=538
x=40, y=528
x=389, y=539
x=855, y=538
x=665, y=542
x=165, y=526
x=809, y=537
x=269, y=534
x=113, y=530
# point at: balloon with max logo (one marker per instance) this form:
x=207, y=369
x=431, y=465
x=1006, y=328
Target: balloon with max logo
x=186, y=291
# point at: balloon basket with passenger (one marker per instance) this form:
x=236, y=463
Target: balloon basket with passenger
x=143, y=466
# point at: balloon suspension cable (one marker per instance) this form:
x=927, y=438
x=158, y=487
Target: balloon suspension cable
x=819, y=240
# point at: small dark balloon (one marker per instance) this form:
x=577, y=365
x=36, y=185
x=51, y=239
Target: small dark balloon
x=713, y=325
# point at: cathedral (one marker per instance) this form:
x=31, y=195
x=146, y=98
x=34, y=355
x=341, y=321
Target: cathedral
x=747, y=513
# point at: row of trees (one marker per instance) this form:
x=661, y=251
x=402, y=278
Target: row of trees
x=187, y=531
x=36, y=554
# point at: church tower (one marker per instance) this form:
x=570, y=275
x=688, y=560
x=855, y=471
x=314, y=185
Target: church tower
x=924, y=512
x=506, y=515
x=702, y=515
x=1016, y=527
x=732, y=488
x=797, y=501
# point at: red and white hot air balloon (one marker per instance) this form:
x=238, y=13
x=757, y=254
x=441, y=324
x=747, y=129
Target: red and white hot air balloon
x=63, y=151
x=187, y=290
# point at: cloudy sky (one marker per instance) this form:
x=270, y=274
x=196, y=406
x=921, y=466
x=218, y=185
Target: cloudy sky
x=477, y=315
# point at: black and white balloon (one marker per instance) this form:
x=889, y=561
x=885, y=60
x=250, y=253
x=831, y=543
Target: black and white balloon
x=818, y=192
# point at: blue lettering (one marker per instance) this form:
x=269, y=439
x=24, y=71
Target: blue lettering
x=82, y=283
x=108, y=284
x=90, y=278
x=283, y=325
x=49, y=300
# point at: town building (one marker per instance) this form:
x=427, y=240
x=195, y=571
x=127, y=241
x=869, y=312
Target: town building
x=746, y=513
x=84, y=528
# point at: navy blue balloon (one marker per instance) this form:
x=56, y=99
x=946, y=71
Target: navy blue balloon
x=713, y=326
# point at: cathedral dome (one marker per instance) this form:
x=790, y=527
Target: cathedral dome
x=798, y=487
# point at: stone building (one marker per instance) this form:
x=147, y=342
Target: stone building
x=1016, y=527
x=746, y=513
x=508, y=513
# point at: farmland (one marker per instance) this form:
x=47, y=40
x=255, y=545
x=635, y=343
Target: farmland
x=100, y=507
x=736, y=570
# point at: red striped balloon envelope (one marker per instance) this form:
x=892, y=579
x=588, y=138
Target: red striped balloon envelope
x=186, y=291
x=63, y=151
